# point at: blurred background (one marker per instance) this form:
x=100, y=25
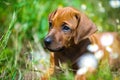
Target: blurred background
x=24, y=24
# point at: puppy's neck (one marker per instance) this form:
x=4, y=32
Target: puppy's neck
x=80, y=47
x=75, y=51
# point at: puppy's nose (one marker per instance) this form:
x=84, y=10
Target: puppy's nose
x=48, y=40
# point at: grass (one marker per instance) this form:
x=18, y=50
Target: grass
x=24, y=24
x=6, y=54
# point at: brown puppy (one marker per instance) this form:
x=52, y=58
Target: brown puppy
x=71, y=35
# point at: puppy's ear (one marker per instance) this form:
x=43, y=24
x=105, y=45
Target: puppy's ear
x=85, y=27
x=52, y=14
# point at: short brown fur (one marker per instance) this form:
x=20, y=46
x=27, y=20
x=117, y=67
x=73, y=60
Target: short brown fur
x=68, y=46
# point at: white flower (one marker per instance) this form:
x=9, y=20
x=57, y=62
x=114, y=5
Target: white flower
x=82, y=71
x=109, y=49
x=83, y=6
x=99, y=54
x=101, y=8
x=107, y=39
x=114, y=55
x=92, y=47
x=87, y=60
x=117, y=21
x=115, y=3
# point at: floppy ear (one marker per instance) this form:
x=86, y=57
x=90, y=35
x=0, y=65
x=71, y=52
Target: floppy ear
x=85, y=27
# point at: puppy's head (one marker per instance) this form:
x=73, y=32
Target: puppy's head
x=67, y=26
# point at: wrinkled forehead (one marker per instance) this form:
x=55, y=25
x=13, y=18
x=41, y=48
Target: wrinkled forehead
x=63, y=13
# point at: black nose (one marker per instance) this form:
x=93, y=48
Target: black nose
x=48, y=40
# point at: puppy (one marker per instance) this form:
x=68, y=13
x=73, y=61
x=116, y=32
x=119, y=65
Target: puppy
x=72, y=35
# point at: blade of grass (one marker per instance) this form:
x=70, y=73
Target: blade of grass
x=5, y=37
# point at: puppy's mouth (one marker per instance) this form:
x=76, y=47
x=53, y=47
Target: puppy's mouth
x=56, y=49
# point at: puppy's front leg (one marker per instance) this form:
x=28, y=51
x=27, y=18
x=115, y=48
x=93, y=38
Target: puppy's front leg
x=50, y=71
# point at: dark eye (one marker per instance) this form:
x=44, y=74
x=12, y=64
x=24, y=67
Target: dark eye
x=65, y=28
x=50, y=25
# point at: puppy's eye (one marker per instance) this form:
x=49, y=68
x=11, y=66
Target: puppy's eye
x=65, y=28
x=50, y=25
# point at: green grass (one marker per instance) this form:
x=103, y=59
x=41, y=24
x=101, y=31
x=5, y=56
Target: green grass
x=6, y=55
x=23, y=26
